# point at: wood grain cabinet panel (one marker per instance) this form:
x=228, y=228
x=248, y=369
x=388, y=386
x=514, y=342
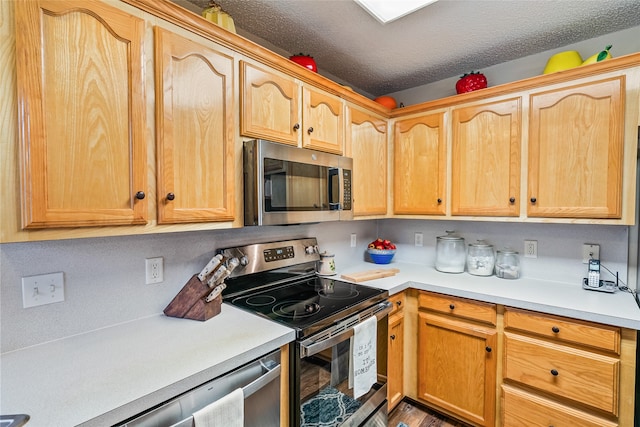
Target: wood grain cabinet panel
x=395, y=362
x=367, y=142
x=81, y=101
x=576, y=137
x=195, y=131
x=485, y=163
x=420, y=165
x=584, y=377
x=458, y=307
x=323, y=124
x=522, y=409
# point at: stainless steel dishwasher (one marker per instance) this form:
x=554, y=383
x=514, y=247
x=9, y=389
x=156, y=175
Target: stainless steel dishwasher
x=259, y=380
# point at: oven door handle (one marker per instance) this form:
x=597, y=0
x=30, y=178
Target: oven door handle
x=309, y=348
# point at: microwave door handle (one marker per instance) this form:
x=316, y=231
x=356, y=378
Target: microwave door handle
x=332, y=189
x=309, y=349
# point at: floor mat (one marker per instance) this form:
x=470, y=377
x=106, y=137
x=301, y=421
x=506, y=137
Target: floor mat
x=329, y=408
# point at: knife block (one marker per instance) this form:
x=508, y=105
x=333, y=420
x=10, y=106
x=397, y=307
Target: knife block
x=190, y=302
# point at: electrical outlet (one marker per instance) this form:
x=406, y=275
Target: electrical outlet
x=531, y=249
x=42, y=289
x=418, y=239
x=154, y=270
x=353, y=240
x=590, y=250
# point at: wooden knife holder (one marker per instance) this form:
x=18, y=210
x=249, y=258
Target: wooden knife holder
x=190, y=302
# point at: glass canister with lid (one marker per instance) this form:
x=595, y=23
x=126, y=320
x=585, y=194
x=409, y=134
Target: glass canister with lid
x=507, y=264
x=450, y=253
x=480, y=259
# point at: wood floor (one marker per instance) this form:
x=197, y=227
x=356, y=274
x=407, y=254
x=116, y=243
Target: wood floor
x=415, y=415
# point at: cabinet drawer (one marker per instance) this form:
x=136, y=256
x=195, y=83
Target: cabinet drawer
x=398, y=301
x=522, y=409
x=567, y=372
x=461, y=307
x=563, y=329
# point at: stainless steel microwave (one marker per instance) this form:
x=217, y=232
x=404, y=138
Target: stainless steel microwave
x=290, y=185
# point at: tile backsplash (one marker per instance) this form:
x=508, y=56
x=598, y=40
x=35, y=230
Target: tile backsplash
x=105, y=277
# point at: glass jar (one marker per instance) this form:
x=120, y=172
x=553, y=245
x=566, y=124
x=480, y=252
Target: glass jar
x=450, y=253
x=507, y=264
x=480, y=259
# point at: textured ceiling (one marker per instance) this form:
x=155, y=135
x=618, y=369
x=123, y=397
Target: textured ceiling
x=447, y=38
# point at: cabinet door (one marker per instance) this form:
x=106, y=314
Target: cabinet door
x=368, y=144
x=576, y=151
x=420, y=165
x=82, y=114
x=195, y=131
x=323, y=121
x=269, y=105
x=457, y=367
x=395, y=369
x=486, y=159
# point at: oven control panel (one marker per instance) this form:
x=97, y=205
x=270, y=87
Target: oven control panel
x=277, y=254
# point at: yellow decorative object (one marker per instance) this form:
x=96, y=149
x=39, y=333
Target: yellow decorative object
x=215, y=14
x=563, y=61
x=600, y=56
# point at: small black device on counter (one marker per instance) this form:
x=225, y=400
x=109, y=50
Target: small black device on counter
x=593, y=282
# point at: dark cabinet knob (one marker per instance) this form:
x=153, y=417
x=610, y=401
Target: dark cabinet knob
x=451, y=306
x=512, y=200
x=533, y=200
x=554, y=372
x=171, y=196
x=488, y=349
x=398, y=303
x=140, y=195
x=555, y=329
x=309, y=130
x=439, y=200
x=393, y=337
x=296, y=126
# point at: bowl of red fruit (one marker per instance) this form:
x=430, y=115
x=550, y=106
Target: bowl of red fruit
x=381, y=251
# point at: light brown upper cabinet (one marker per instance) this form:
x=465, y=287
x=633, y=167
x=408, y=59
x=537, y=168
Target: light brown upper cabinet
x=195, y=131
x=81, y=114
x=367, y=142
x=576, y=150
x=420, y=165
x=278, y=108
x=485, y=164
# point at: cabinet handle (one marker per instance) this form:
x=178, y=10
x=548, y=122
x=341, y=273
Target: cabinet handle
x=140, y=195
x=439, y=200
x=554, y=372
x=171, y=196
x=398, y=303
x=533, y=200
x=296, y=126
x=512, y=200
x=309, y=130
x=451, y=306
x=488, y=349
x=393, y=337
x=555, y=329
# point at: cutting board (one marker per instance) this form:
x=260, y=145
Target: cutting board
x=370, y=274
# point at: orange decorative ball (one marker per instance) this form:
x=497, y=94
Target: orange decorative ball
x=387, y=101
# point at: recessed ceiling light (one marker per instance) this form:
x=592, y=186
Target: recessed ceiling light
x=386, y=11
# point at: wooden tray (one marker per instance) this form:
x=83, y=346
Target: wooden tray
x=377, y=273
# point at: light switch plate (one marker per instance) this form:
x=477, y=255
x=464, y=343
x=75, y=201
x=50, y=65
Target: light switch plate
x=42, y=289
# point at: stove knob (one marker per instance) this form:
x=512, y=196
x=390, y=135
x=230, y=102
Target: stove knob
x=244, y=260
x=311, y=250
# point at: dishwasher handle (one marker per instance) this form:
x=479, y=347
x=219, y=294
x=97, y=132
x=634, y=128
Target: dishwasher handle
x=261, y=381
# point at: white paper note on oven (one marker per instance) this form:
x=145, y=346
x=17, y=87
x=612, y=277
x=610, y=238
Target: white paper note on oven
x=363, y=371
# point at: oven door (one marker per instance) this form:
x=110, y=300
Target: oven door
x=322, y=391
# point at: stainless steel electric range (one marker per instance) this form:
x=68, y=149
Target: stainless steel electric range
x=277, y=280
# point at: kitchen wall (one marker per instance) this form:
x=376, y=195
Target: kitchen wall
x=105, y=283
x=624, y=42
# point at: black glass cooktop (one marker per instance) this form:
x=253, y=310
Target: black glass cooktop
x=310, y=304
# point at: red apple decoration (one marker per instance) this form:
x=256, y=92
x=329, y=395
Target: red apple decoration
x=306, y=61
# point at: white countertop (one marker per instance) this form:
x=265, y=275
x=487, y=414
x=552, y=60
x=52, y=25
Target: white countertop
x=105, y=376
x=563, y=299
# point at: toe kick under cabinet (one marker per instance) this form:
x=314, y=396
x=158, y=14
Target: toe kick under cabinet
x=562, y=372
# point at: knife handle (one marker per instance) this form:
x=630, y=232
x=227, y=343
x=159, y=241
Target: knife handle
x=214, y=293
x=218, y=275
x=210, y=267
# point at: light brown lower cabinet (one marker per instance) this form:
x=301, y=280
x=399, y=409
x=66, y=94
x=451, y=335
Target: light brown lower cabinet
x=395, y=351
